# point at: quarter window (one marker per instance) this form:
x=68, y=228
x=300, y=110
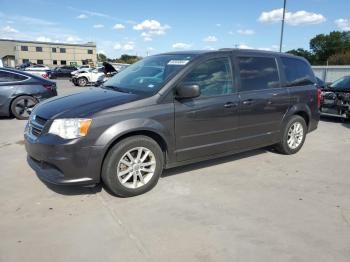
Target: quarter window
x=258, y=73
x=10, y=77
x=297, y=72
x=213, y=77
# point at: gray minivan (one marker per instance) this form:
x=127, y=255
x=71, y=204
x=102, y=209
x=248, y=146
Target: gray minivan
x=173, y=109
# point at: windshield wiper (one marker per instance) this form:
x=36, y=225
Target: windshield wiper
x=115, y=88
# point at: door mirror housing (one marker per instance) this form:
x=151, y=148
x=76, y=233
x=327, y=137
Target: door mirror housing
x=187, y=91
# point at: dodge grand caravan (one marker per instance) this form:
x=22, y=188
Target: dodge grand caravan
x=173, y=109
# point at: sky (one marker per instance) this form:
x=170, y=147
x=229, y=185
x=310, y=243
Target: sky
x=155, y=26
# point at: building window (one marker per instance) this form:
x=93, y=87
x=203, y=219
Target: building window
x=40, y=62
x=62, y=50
x=54, y=62
x=25, y=60
x=54, y=50
x=38, y=49
x=24, y=48
x=90, y=51
x=63, y=62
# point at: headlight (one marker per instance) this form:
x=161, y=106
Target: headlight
x=70, y=128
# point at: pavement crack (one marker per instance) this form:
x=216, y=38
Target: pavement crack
x=139, y=245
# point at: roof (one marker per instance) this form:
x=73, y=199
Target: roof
x=89, y=44
x=225, y=50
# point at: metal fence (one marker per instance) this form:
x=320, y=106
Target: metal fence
x=331, y=73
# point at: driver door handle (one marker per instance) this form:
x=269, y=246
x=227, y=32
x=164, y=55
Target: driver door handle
x=248, y=102
x=230, y=104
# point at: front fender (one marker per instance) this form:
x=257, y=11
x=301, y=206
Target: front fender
x=110, y=135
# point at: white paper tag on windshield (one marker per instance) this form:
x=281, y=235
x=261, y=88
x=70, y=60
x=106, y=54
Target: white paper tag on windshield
x=178, y=62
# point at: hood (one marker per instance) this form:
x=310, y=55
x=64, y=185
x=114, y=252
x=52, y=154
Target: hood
x=108, y=68
x=82, y=104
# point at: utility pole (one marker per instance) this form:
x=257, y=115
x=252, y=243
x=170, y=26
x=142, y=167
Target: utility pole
x=282, y=28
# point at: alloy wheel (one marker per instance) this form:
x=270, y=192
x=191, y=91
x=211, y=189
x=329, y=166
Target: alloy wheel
x=295, y=135
x=136, y=167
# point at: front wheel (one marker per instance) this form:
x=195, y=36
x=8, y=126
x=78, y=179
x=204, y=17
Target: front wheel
x=82, y=81
x=293, y=136
x=133, y=166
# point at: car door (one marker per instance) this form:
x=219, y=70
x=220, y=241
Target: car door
x=263, y=101
x=8, y=87
x=206, y=125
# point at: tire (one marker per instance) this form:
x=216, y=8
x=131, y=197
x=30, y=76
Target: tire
x=139, y=179
x=82, y=81
x=287, y=146
x=22, y=106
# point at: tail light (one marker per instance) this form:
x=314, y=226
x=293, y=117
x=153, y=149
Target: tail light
x=45, y=75
x=49, y=87
x=318, y=97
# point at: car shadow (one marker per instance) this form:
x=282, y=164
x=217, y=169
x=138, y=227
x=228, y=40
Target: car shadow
x=336, y=120
x=214, y=162
x=70, y=190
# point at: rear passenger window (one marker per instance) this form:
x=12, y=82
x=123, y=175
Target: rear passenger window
x=10, y=77
x=297, y=72
x=213, y=77
x=258, y=73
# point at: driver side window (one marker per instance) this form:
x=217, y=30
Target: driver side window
x=214, y=77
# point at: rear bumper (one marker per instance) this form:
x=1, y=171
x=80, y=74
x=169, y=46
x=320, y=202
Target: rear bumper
x=64, y=164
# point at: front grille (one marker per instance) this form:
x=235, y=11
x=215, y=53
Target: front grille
x=36, y=125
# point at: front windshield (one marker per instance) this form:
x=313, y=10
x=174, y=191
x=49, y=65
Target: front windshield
x=148, y=75
x=343, y=82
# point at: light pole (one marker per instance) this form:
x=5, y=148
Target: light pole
x=282, y=28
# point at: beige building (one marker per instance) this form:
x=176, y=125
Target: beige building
x=14, y=52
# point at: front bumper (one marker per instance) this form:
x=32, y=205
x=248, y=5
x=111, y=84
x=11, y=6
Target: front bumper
x=64, y=163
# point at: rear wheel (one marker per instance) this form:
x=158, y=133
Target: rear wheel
x=293, y=136
x=82, y=81
x=22, y=106
x=133, y=166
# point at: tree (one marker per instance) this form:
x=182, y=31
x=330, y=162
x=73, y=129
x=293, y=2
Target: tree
x=325, y=45
x=304, y=53
x=128, y=59
x=101, y=57
x=340, y=59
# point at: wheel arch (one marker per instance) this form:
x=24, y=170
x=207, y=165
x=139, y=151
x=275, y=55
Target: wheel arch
x=14, y=98
x=300, y=110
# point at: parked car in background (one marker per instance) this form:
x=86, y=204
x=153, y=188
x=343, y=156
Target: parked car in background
x=335, y=98
x=24, y=65
x=39, y=70
x=63, y=71
x=91, y=76
x=21, y=91
x=169, y=110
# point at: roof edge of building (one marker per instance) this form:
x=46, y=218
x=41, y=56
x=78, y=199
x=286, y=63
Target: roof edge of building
x=88, y=44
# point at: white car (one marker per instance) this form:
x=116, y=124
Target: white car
x=37, y=68
x=86, y=76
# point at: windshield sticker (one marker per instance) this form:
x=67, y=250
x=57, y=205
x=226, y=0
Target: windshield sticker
x=178, y=62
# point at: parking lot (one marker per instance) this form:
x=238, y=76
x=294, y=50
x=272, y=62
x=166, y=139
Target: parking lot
x=254, y=206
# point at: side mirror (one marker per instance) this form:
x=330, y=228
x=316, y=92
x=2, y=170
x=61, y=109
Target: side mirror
x=187, y=91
